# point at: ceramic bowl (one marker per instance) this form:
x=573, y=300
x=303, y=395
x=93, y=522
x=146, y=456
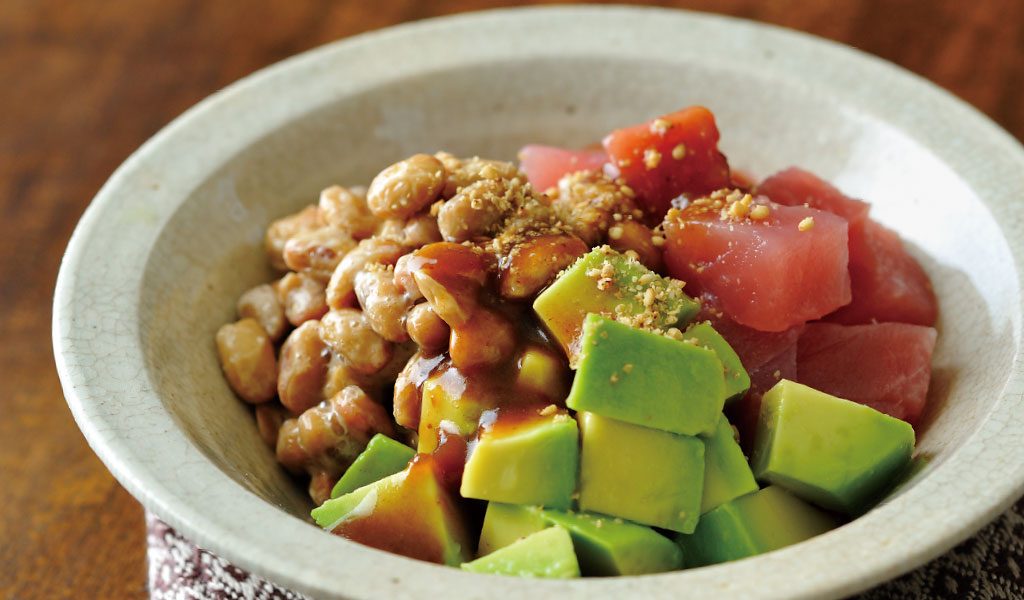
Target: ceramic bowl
x=174, y=237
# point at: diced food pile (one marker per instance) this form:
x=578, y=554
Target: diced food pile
x=612, y=361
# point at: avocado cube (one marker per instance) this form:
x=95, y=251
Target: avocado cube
x=545, y=554
x=408, y=513
x=647, y=379
x=507, y=523
x=524, y=457
x=604, y=545
x=449, y=405
x=835, y=453
x=544, y=372
x=753, y=524
x=608, y=546
x=612, y=284
x=644, y=475
x=726, y=472
x=737, y=381
x=383, y=456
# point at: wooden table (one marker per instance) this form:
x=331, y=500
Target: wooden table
x=84, y=83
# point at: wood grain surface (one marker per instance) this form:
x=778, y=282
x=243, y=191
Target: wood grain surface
x=82, y=84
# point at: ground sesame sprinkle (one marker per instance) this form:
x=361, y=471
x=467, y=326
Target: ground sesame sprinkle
x=652, y=158
x=650, y=296
x=760, y=212
x=660, y=126
x=738, y=210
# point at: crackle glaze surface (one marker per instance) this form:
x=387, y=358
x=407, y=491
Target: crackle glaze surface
x=172, y=239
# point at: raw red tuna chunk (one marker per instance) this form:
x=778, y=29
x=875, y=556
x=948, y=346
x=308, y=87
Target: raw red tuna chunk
x=886, y=366
x=767, y=357
x=669, y=156
x=796, y=187
x=887, y=284
x=769, y=274
x=761, y=352
x=545, y=165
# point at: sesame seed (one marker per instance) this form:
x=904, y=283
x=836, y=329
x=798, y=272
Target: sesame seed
x=806, y=224
x=615, y=232
x=659, y=126
x=738, y=209
x=652, y=158
x=760, y=212
x=679, y=151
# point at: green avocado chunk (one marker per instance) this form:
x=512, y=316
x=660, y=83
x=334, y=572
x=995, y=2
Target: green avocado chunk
x=528, y=457
x=545, y=554
x=726, y=472
x=610, y=546
x=383, y=456
x=408, y=513
x=612, y=284
x=647, y=379
x=644, y=475
x=737, y=382
x=448, y=404
x=753, y=524
x=507, y=523
x=835, y=453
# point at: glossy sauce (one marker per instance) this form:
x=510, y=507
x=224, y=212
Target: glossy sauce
x=389, y=522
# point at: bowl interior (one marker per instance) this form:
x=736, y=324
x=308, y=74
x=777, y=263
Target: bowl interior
x=211, y=250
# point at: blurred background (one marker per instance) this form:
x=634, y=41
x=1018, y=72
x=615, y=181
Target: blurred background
x=82, y=84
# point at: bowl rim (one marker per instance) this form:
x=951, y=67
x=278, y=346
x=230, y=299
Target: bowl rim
x=102, y=370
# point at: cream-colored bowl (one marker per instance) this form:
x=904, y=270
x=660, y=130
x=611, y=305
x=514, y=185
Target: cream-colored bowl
x=172, y=239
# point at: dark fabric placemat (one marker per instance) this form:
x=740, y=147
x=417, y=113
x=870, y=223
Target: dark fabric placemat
x=986, y=567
